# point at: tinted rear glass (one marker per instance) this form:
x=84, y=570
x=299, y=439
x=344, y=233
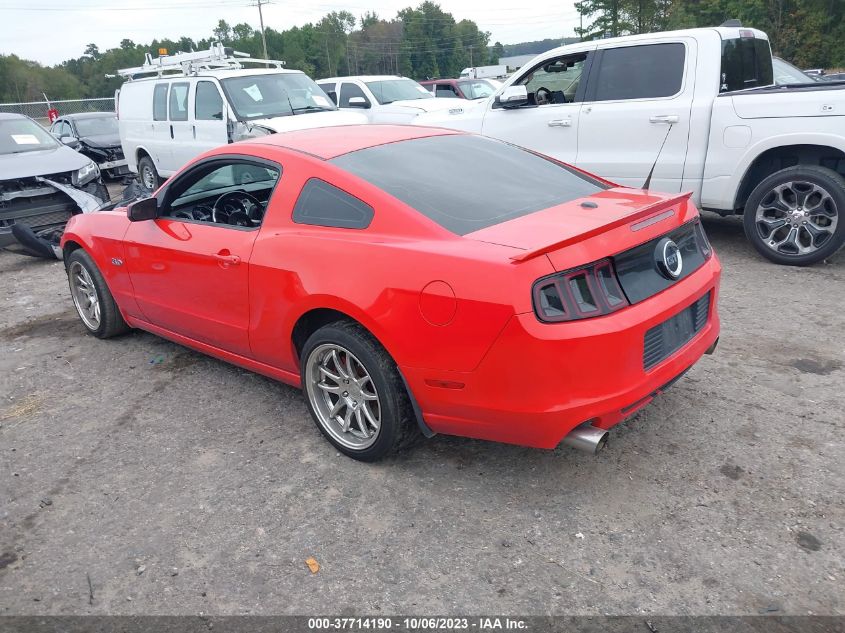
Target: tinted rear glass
x=467, y=183
x=746, y=63
x=629, y=72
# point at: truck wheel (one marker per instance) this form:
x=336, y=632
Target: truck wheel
x=794, y=217
x=149, y=176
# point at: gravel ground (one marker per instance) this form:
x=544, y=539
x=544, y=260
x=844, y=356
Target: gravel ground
x=179, y=484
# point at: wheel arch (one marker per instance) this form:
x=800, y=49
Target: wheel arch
x=315, y=318
x=774, y=159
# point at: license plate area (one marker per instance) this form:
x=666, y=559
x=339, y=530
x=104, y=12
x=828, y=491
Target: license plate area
x=668, y=337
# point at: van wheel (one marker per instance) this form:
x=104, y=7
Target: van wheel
x=794, y=216
x=149, y=176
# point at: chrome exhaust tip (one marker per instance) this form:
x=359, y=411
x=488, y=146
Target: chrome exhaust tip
x=585, y=437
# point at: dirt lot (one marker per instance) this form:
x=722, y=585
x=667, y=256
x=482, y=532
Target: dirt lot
x=179, y=484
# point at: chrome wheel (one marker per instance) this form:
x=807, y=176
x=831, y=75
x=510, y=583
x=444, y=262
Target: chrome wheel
x=85, y=296
x=796, y=218
x=343, y=395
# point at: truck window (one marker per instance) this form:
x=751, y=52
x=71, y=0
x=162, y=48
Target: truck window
x=179, y=101
x=160, y=102
x=349, y=90
x=208, y=104
x=746, y=63
x=555, y=80
x=329, y=89
x=628, y=72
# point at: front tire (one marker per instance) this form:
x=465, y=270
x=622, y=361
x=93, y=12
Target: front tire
x=794, y=216
x=148, y=174
x=355, y=393
x=91, y=296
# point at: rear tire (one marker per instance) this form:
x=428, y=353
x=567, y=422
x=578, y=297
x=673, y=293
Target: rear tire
x=91, y=296
x=796, y=216
x=148, y=174
x=355, y=393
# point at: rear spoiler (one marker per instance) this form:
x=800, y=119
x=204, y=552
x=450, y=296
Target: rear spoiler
x=645, y=213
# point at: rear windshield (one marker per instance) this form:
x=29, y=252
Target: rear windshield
x=466, y=183
x=746, y=63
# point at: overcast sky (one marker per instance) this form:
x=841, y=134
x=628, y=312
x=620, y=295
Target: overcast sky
x=50, y=31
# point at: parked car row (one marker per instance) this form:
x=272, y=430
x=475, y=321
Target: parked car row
x=746, y=133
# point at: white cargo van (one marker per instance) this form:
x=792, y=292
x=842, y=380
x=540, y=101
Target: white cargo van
x=197, y=101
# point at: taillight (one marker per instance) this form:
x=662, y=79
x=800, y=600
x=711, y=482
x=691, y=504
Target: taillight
x=581, y=293
x=703, y=242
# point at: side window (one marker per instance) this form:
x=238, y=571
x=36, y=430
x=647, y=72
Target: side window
x=330, y=91
x=233, y=193
x=160, y=102
x=347, y=91
x=556, y=80
x=208, y=104
x=179, y=101
x=628, y=72
x=322, y=204
x=445, y=90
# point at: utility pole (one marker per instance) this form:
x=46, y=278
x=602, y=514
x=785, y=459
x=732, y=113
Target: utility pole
x=470, y=55
x=258, y=3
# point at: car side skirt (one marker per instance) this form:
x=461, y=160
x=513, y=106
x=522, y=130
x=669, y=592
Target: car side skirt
x=275, y=373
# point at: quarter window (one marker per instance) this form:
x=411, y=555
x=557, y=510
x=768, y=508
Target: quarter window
x=208, y=104
x=179, y=101
x=322, y=204
x=629, y=72
x=160, y=102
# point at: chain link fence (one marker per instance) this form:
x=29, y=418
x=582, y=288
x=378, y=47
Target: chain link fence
x=38, y=109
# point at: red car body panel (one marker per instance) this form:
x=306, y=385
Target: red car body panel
x=454, y=312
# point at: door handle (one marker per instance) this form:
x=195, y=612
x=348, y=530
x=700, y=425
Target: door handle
x=560, y=123
x=664, y=118
x=225, y=258
x=171, y=131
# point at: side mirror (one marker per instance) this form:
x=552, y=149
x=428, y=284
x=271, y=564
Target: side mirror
x=513, y=97
x=68, y=140
x=358, y=102
x=144, y=209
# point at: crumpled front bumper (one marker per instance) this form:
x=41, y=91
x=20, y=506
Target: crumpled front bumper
x=34, y=217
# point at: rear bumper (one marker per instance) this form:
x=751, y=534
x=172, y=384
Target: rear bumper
x=538, y=381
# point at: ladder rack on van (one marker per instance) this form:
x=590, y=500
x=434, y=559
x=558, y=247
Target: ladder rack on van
x=217, y=57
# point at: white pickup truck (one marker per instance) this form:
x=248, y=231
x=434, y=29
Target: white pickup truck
x=706, y=96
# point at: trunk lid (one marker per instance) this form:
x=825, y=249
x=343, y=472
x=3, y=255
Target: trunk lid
x=552, y=231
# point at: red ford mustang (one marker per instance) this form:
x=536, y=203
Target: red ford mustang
x=412, y=280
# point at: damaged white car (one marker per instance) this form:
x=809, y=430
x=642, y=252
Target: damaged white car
x=42, y=184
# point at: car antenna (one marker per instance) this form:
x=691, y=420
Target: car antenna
x=647, y=182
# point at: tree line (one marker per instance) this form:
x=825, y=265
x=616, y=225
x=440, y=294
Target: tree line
x=426, y=41
x=808, y=33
